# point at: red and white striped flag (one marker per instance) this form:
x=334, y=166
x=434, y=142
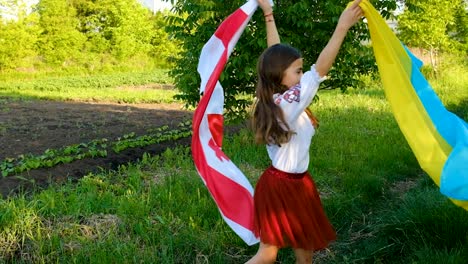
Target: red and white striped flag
x=228, y=186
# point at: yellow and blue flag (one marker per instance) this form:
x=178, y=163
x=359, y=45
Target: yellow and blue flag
x=437, y=137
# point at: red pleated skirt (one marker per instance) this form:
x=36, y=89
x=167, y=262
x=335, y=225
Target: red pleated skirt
x=289, y=213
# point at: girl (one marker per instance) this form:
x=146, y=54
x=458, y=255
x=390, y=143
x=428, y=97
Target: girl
x=288, y=210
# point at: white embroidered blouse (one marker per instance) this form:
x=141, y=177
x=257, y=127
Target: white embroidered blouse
x=293, y=156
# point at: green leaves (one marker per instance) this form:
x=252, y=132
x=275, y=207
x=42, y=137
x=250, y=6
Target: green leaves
x=93, y=149
x=17, y=42
x=158, y=135
x=50, y=157
x=92, y=34
x=59, y=41
x=426, y=24
x=306, y=25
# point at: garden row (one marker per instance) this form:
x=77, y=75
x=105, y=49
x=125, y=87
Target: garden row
x=93, y=149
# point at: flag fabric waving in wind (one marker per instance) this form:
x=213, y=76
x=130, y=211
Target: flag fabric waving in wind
x=228, y=186
x=437, y=137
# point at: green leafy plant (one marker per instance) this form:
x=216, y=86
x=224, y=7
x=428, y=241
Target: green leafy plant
x=158, y=135
x=306, y=25
x=95, y=148
x=51, y=157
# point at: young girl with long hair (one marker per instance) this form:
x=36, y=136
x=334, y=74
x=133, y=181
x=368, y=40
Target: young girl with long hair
x=288, y=210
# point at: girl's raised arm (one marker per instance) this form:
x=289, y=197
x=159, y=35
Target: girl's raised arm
x=348, y=18
x=272, y=32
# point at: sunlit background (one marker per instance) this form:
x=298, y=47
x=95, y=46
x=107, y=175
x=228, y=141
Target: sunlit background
x=12, y=13
x=156, y=5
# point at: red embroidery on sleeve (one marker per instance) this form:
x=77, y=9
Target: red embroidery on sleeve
x=278, y=100
x=293, y=94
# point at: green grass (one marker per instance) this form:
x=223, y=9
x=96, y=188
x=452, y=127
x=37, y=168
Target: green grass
x=384, y=207
x=452, y=86
x=130, y=87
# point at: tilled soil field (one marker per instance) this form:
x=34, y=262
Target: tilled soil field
x=32, y=126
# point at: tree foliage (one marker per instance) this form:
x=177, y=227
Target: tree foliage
x=18, y=34
x=17, y=42
x=305, y=24
x=434, y=25
x=118, y=29
x=458, y=31
x=83, y=35
x=165, y=47
x=60, y=41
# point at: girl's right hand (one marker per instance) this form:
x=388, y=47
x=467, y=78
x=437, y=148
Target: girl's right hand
x=265, y=6
x=351, y=15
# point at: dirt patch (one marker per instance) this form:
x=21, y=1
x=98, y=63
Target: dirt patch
x=147, y=87
x=401, y=188
x=30, y=126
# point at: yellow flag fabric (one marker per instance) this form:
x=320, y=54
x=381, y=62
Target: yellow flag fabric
x=438, y=138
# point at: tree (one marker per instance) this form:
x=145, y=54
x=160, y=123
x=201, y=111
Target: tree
x=165, y=47
x=458, y=31
x=89, y=34
x=128, y=27
x=60, y=42
x=305, y=24
x=123, y=29
x=18, y=36
x=425, y=24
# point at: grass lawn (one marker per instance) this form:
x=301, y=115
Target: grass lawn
x=383, y=206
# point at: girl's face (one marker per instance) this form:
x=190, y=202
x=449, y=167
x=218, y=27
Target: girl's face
x=292, y=75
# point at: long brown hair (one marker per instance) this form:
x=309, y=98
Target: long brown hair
x=268, y=121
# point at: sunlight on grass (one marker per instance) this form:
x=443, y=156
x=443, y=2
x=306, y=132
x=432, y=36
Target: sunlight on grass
x=142, y=87
x=383, y=206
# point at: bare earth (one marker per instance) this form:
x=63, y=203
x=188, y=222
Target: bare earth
x=34, y=126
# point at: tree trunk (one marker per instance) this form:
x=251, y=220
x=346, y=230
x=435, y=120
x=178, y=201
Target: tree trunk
x=434, y=60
